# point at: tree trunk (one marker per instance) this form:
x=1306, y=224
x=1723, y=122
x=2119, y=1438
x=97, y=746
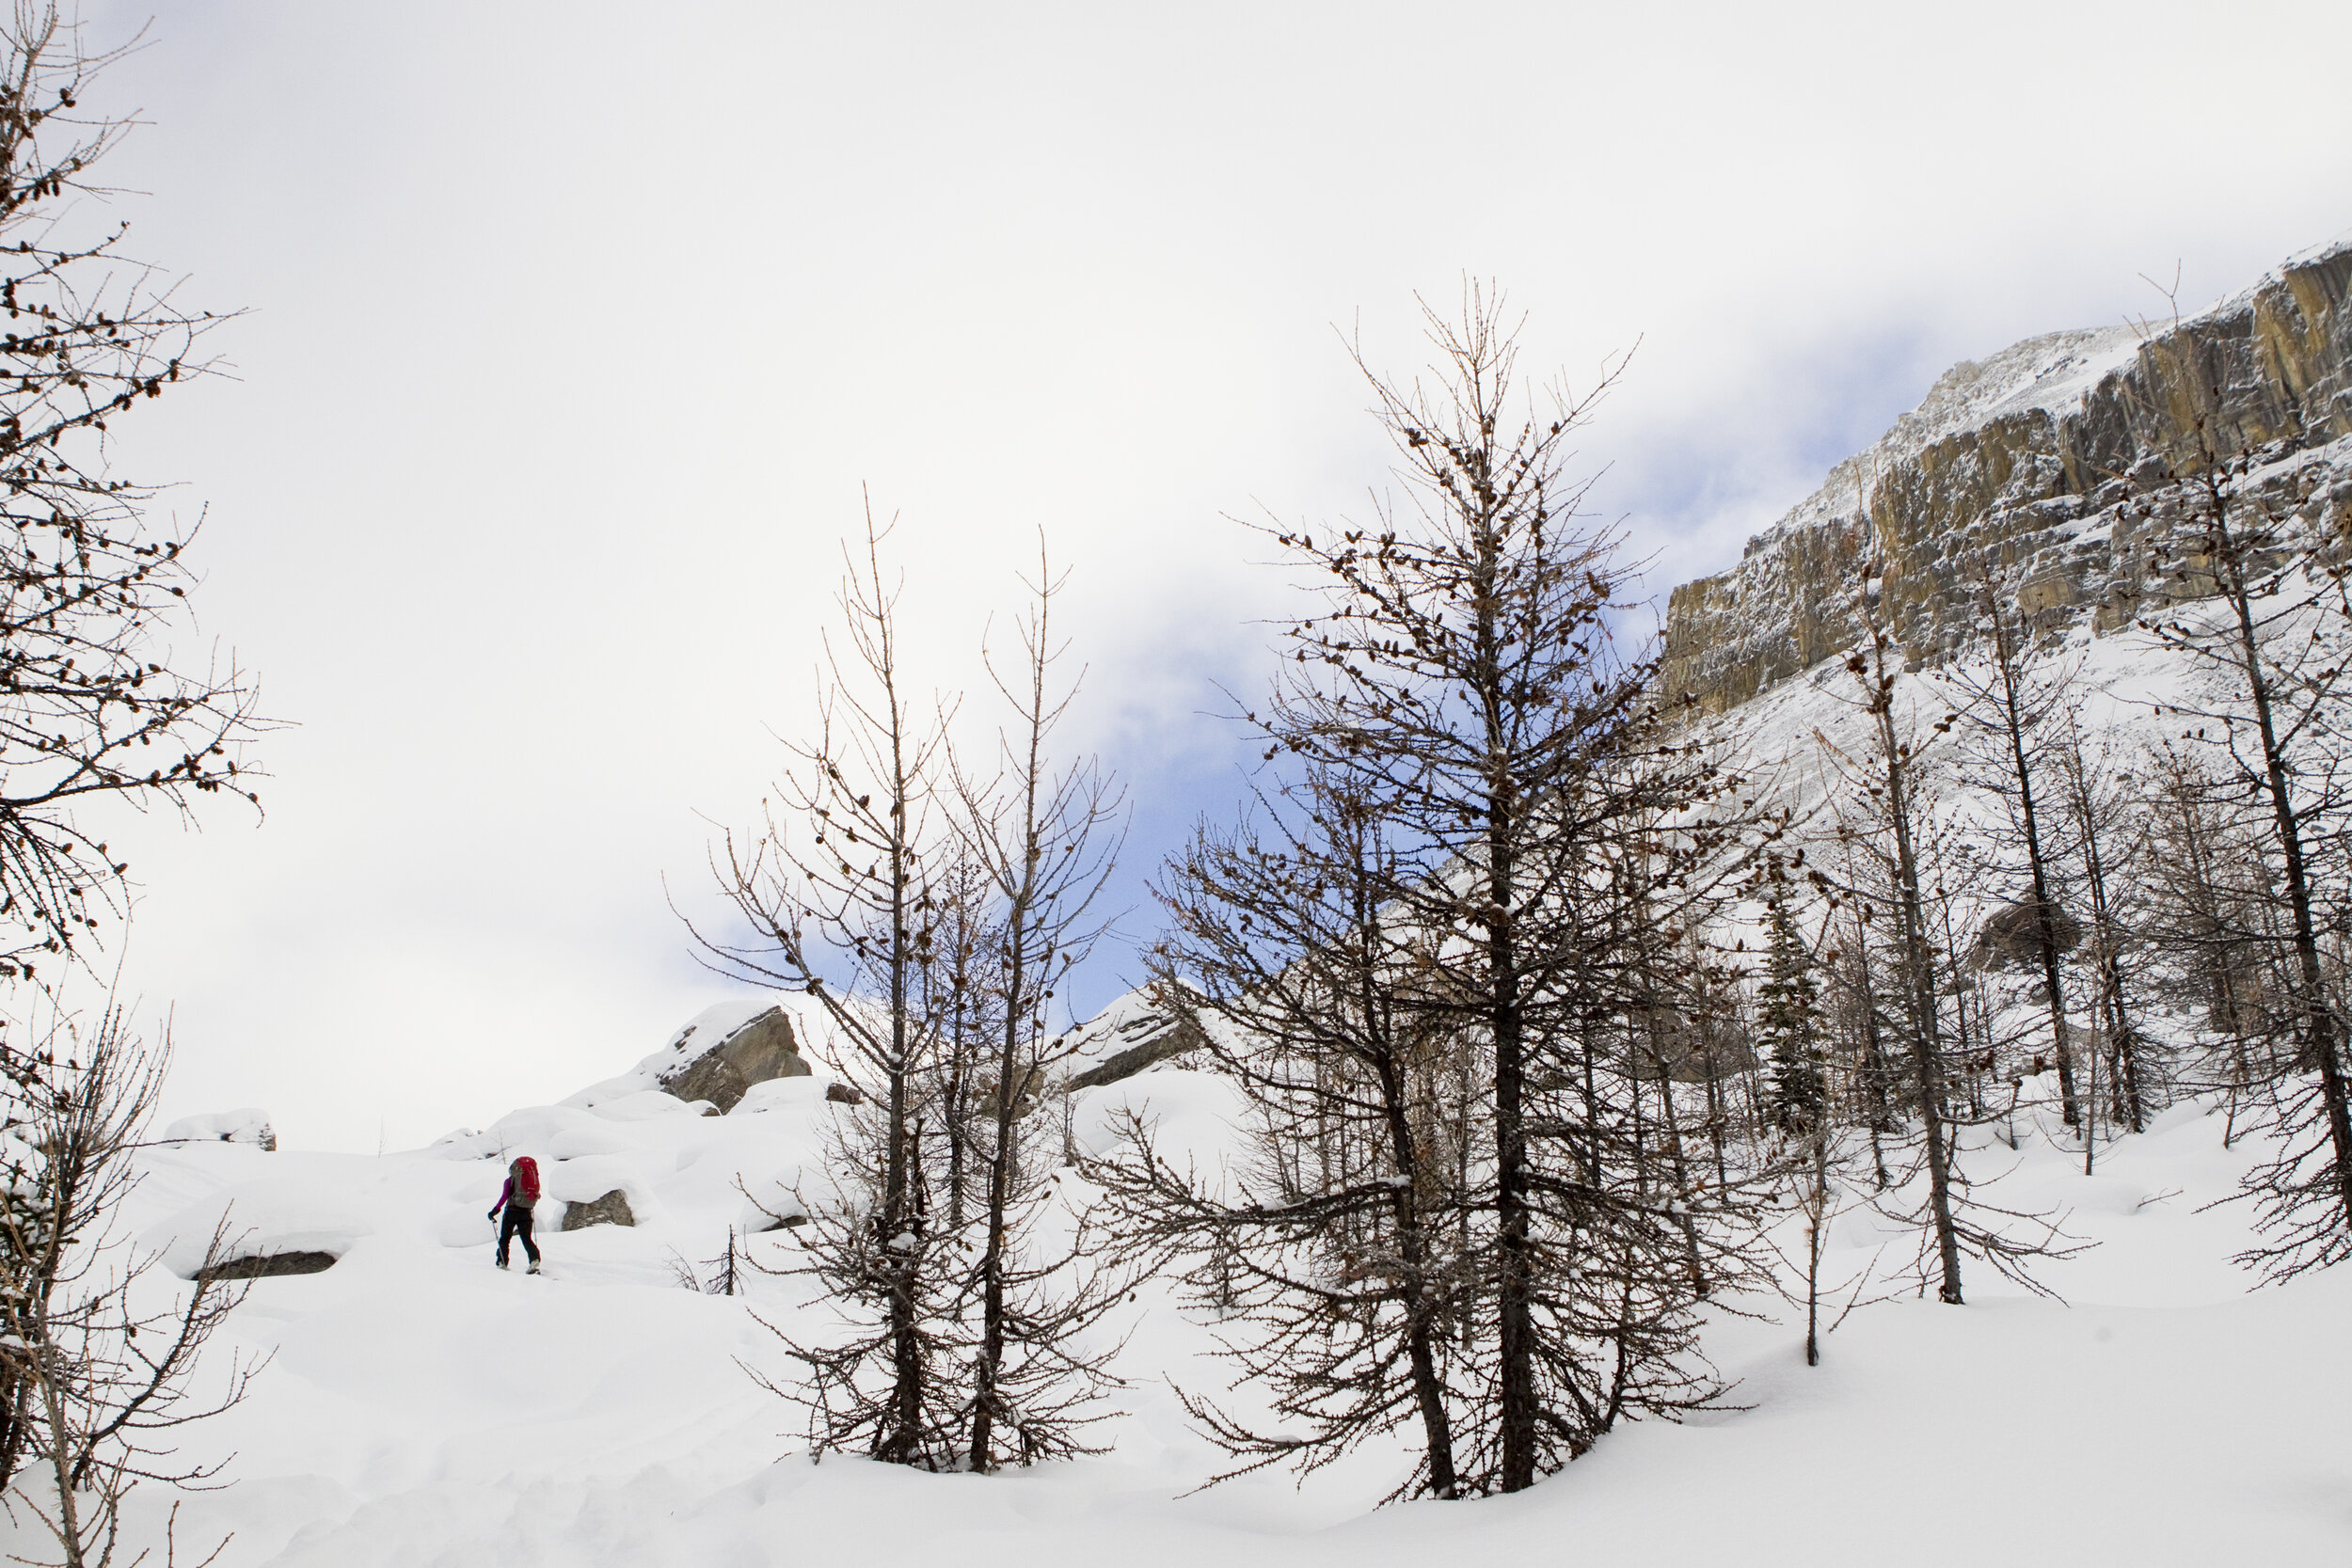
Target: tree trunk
x=1919, y=989
x=2045, y=914
x=1413, y=1252
x=2318, y=1024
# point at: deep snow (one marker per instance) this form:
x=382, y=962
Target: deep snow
x=424, y=1408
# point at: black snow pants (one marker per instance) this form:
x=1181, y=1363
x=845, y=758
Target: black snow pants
x=517, y=1223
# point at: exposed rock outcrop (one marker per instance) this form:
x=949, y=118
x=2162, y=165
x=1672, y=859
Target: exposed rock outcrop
x=269, y=1265
x=612, y=1209
x=2013, y=935
x=1688, y=1053
x=2017, y=470
x=1029, y=1087
x=754, y=1052
x=1154, y=1039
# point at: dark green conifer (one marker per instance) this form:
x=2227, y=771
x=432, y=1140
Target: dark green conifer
x=1789, y=1022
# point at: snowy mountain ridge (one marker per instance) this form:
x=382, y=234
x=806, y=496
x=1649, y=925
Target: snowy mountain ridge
x=2015, y=472
x=2049, y=373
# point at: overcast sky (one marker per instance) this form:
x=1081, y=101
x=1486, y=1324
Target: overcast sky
x=575, y=330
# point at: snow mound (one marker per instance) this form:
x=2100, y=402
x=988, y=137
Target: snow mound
x=782, y=1094
x=249, y=1125
x=259, y=1217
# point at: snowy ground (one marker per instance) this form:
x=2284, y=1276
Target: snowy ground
x=424, y=1408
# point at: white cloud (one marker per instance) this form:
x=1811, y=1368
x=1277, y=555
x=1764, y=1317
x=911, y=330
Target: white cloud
x=578, y=327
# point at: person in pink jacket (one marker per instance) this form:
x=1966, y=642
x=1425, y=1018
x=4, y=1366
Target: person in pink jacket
x=518, y=1198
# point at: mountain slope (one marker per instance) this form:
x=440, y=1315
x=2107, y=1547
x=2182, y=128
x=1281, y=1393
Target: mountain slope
x=2016, y=471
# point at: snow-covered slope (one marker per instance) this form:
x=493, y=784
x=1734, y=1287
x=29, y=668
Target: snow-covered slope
x=424, y=1408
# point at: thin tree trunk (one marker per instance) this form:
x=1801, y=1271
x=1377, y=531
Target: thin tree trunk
x=1814, y=1221
x=1413, y=1252
x=1875, y=1065
x=1919, y=986
x=899, y=1223
x=2045, y=914
x=2319, y=1032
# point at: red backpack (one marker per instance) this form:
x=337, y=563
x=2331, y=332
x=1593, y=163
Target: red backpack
x=526, y=1180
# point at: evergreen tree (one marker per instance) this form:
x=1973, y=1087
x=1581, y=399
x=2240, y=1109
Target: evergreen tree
x=1788, y=1020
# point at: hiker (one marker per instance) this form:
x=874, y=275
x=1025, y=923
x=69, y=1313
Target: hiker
x=518, y=1197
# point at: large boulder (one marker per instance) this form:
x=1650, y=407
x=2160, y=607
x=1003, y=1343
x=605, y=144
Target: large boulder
x=1670, y=1044
x=753, y=1052
x=1132, y=1033
x=2013, y=935
x=612, y=1209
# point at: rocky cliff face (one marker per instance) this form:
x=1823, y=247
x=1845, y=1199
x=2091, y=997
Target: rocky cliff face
x=2013, y=474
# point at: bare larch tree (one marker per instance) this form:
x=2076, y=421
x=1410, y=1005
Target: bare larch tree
x=93, y=705
x=2004, y=732
x=1044, y=836
x=1331, y=1257
x=833, y=895
x=1463, y=670
x=95, y=1375
x=2267, y=620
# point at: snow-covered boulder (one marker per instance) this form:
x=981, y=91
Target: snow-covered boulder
x=652, y=1106
x=268, y=1265
x=247, y=1223
x=1132, y=1033
x=597, y=1190
x=754, y=1051
x=457, y=1144
x=249, y=1125
x=718, y=1056
x=782, y=1094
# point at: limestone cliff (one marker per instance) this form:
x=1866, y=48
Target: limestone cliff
x=2012, y=473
